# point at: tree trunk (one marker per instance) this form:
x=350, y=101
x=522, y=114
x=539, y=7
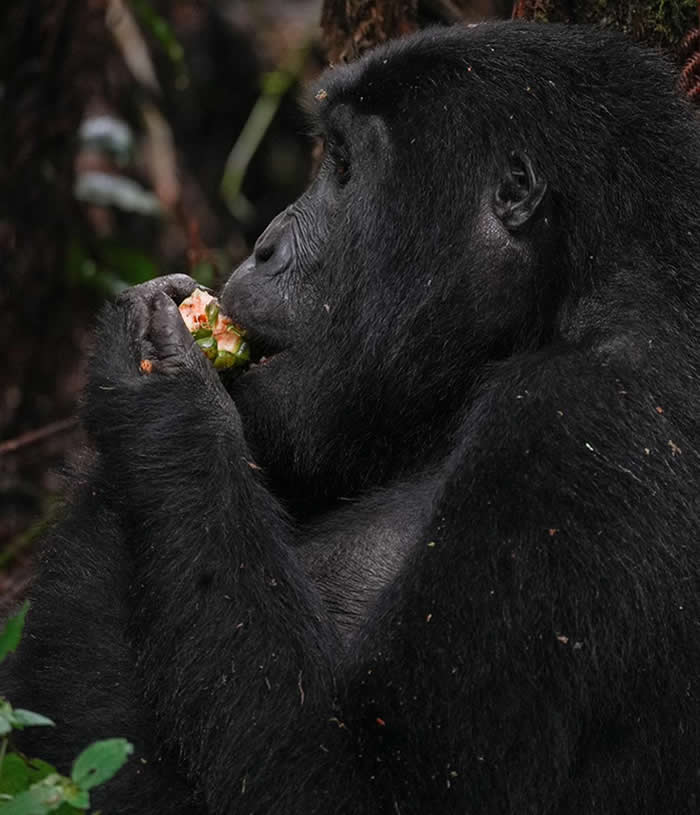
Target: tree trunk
x=669, y=26
x=654, y=22
x=351, y=27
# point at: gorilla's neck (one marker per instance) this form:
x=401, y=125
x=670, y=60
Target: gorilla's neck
x=318, y=446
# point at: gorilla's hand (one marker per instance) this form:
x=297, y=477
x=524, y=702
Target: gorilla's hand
x=150, y=389
x=158, y=330
x=144, y=334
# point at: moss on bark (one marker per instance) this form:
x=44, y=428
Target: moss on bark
x=660, y=23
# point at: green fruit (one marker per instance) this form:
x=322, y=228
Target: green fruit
x=220, y=340
x=212, y=312
x=225, y=359
x=243, y=354
x=210, y=346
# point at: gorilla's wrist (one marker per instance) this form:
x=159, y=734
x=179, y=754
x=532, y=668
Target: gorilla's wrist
x=162, y=424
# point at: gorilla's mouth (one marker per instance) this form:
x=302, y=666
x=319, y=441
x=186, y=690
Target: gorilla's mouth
x=263, y=347
x=265, y=320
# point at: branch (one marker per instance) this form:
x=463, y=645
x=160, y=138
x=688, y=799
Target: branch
x=35, y=436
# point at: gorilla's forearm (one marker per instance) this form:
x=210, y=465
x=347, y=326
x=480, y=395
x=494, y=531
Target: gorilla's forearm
x=230, y=636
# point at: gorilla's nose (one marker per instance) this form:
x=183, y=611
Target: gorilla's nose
x=273, y=252
x=264, y=251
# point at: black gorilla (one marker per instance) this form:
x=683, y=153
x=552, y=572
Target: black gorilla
x=440, y=552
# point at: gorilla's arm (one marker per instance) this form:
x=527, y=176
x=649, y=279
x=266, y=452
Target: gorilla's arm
x=534, y=620
x=233, y=645
x=77, y=663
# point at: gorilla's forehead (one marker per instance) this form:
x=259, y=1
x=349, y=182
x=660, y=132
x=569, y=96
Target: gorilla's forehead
x=387, y=72
x=485, y=58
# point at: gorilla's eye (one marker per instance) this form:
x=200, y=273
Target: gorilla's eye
x=342, y=168
x=340, y=160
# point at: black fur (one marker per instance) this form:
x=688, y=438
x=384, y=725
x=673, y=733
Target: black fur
x=443, y=554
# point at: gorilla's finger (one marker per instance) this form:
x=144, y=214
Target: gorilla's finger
x=168, y=332
x=176, y=286
x=139, y=318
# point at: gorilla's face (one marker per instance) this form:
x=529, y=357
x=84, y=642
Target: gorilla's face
x=371, y=300
x=276, y=293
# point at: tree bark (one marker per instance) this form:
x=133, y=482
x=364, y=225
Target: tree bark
x=672, y=27
x=659, y=24
x=351, y=27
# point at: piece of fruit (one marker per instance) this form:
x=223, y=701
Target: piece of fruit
x=221, y=340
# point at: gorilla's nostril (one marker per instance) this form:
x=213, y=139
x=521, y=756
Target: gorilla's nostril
x=265, y=252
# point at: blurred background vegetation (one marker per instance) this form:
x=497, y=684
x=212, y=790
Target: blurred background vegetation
x=117, y=120
x=142, y=137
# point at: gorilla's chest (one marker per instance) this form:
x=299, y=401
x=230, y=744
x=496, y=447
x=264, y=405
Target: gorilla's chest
x=354, y=553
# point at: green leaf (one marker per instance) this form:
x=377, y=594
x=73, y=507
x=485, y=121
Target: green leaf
x=38, y=770
x=25, y=718
x=109, y=190
x=6, y=717
x=130, y=265
x=99, y=762
x=12, y=632
x=76, y=796
x=113, y=268
x=45, y=796
x=162, y=31
x=83, y=270
x=107, y=134
x=14, y=775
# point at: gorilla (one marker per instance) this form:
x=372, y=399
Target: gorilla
x=438, y=551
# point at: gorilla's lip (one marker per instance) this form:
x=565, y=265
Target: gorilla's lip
x=262, y=348
x=261, y=356
x=263, y=359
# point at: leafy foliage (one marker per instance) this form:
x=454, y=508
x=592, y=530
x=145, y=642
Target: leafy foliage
x=10, y=636
x=34, y=787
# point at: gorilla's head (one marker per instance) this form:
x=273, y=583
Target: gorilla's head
x=484, y=192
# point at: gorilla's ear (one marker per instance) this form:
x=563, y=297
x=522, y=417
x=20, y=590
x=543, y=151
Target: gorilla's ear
x=519, y=194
